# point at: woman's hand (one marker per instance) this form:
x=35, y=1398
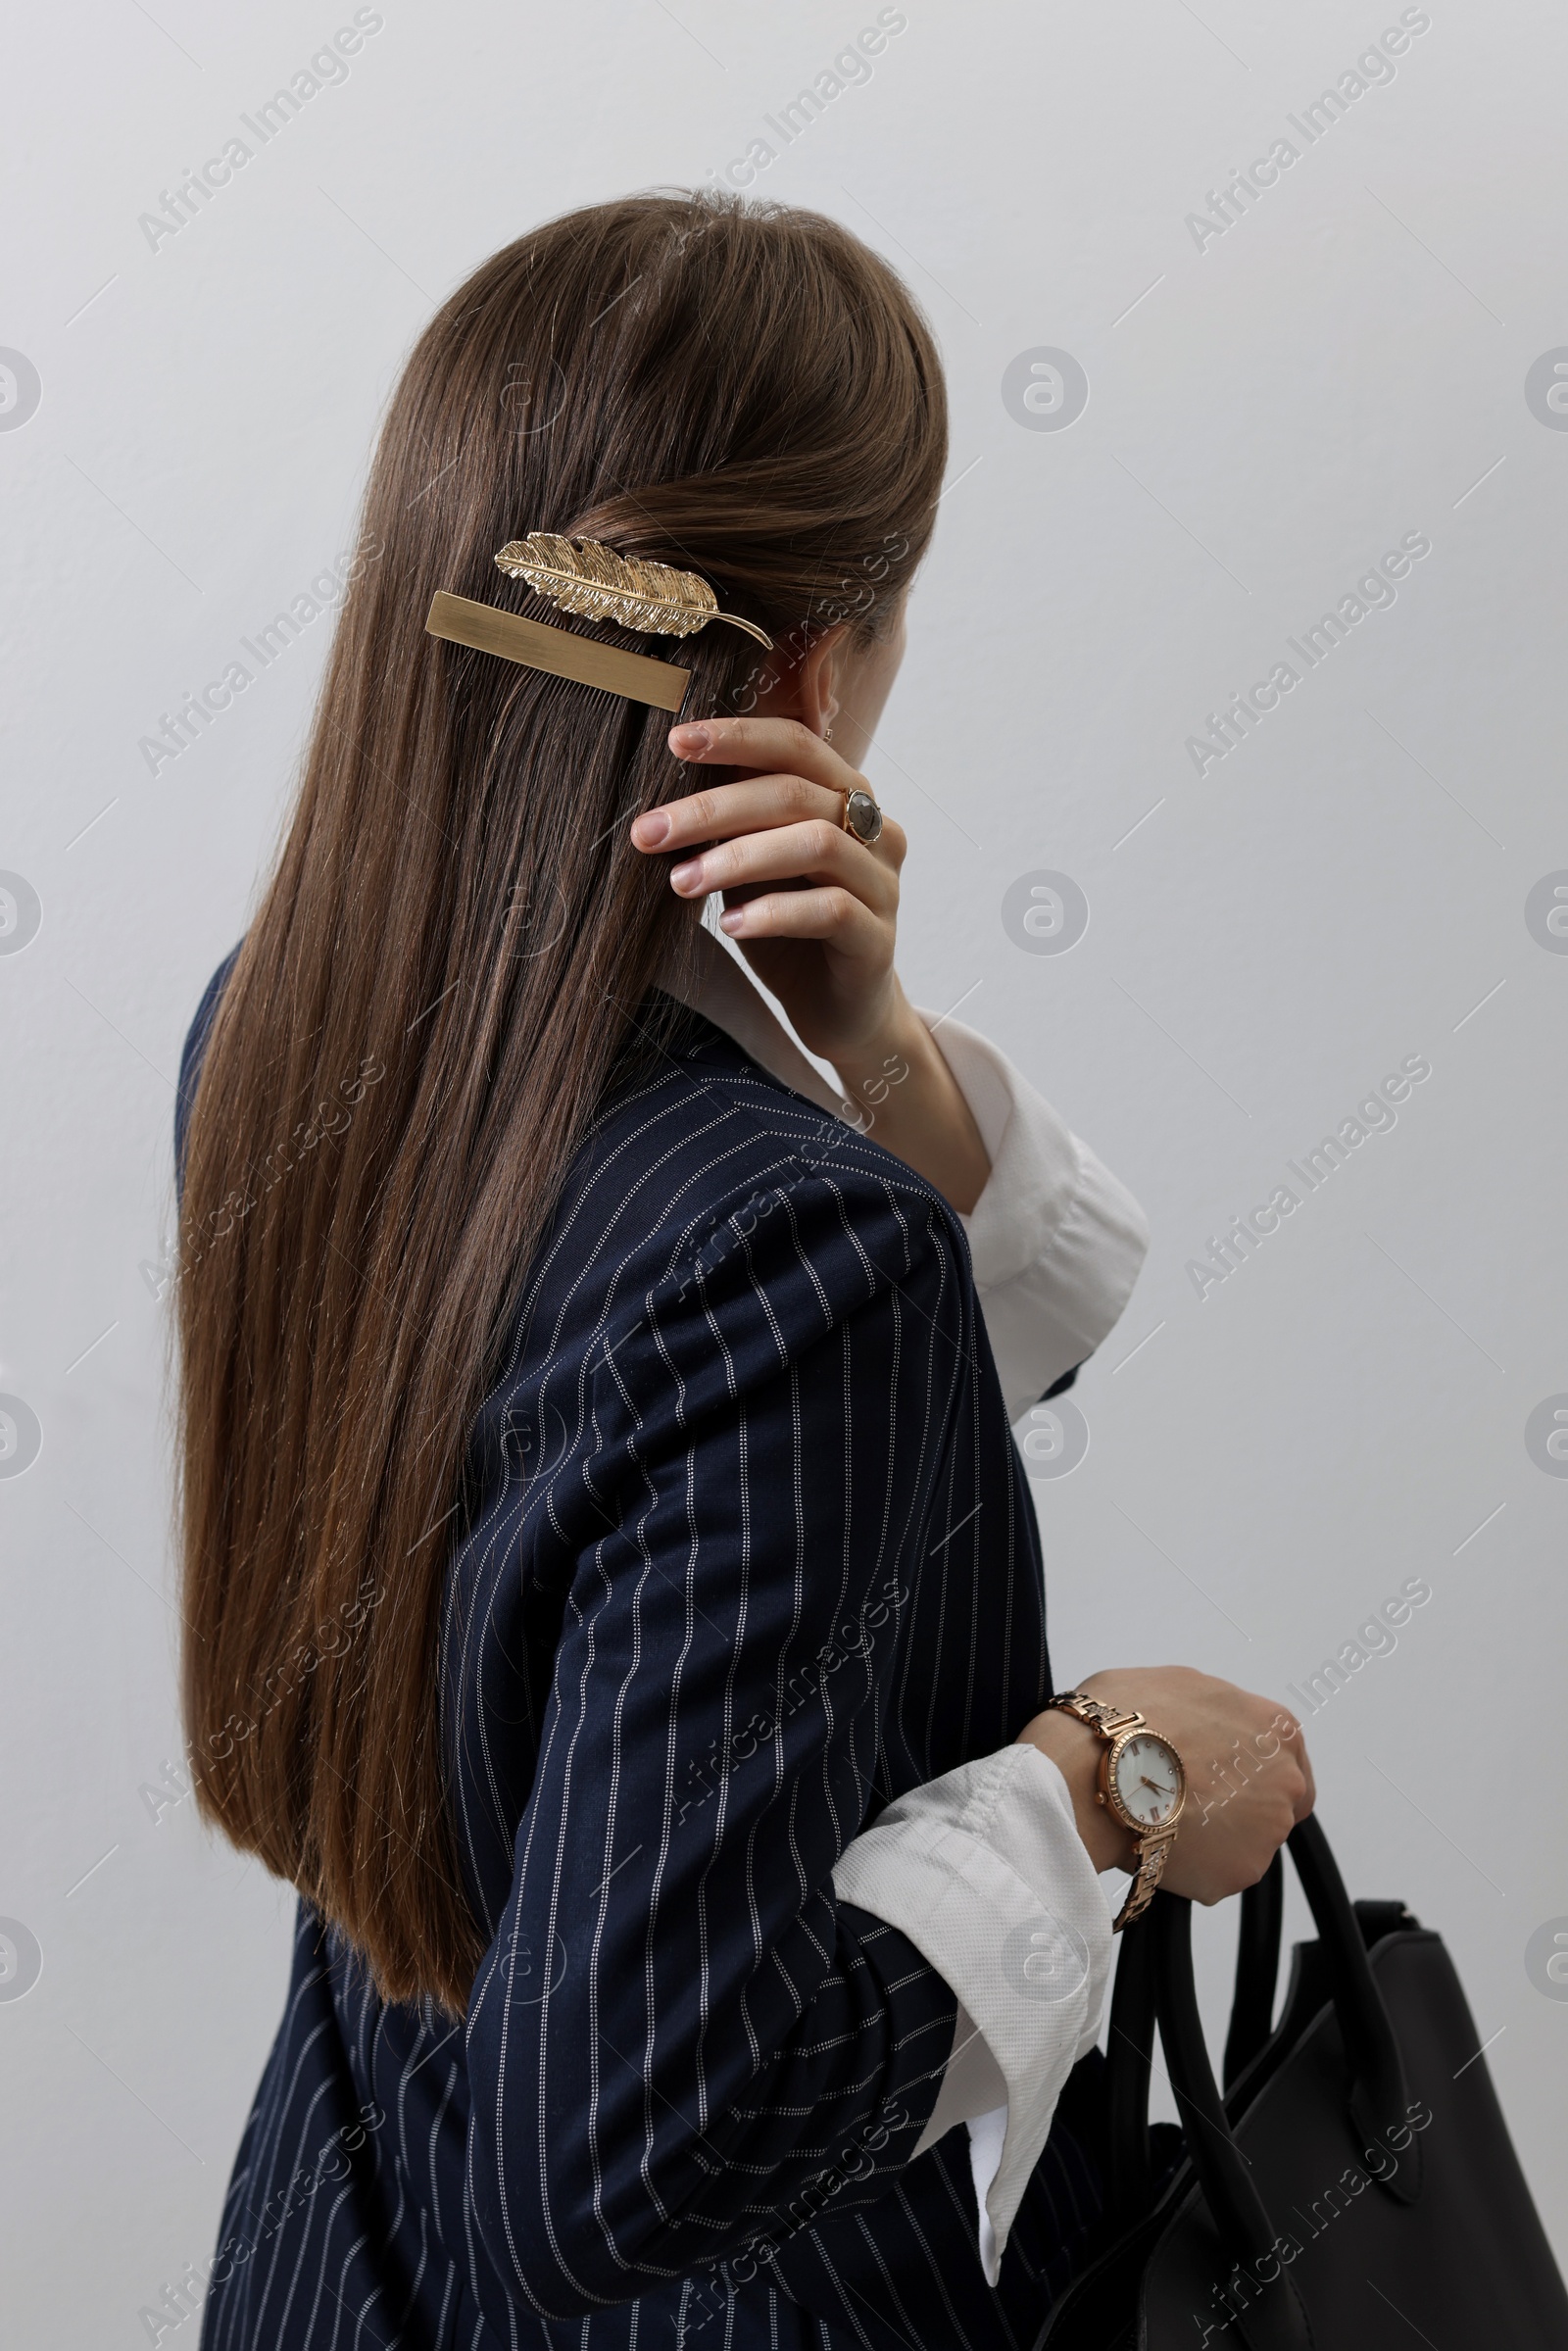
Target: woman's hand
x=1249, y=1781
x=814, y=911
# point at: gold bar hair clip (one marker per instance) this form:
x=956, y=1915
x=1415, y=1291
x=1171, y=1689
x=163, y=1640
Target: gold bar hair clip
x=579, y=575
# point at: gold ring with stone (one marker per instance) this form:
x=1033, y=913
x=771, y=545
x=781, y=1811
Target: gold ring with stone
x=861, y=816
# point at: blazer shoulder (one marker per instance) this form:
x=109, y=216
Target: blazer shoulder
x=705, y=1159
x=190, y=1060
x=801, y=1261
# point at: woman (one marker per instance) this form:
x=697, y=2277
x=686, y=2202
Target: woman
x=612, y=1595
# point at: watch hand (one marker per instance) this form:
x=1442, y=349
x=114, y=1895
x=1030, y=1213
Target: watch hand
x=1159, y=1786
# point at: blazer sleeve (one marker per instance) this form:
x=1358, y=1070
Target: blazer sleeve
x=683, y=2047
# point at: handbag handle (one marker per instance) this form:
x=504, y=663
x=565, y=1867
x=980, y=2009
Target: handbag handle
x=1154, y=1976
x=1380, y=2093
x=1132, y=2032
x=1257, y=1970
x=1275, y=2320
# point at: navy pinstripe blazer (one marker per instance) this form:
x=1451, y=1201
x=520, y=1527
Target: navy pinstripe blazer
x=746, y=1552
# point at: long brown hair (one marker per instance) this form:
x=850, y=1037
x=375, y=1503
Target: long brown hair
x=450, y=956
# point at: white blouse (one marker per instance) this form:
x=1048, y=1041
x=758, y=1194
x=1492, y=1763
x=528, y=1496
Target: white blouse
x=983, y=1869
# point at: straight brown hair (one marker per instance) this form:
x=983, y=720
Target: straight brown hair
x=452, y=955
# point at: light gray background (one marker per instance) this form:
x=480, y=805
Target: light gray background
x=1266, y=415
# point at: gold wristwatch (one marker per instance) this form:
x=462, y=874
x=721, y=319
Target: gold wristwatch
x=1142, y=1785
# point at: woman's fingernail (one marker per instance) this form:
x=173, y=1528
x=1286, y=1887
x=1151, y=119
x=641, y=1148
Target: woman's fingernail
x=685, y=741
x=687, y=876
x=732, y=922
x=649, y=830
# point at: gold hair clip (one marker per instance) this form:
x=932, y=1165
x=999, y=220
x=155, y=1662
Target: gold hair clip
x=556, y=651
x=582, y=576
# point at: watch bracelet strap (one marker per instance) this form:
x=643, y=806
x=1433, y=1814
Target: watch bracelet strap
x=1096, y=1713
x=1153, y=1852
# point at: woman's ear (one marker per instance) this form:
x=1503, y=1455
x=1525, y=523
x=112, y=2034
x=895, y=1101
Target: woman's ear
x=809, y=689
x=821, y=679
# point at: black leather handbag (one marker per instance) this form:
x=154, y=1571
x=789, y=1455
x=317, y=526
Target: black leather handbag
x=1355, y=2186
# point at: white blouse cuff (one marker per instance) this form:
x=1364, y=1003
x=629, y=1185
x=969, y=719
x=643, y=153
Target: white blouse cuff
x=1056, y=1241
x=983, y=1871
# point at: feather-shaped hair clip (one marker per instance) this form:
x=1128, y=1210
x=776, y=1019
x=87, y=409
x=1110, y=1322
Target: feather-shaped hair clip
x=579, y=575
x=582, y=576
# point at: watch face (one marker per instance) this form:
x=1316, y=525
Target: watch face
x=1148, y=1778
